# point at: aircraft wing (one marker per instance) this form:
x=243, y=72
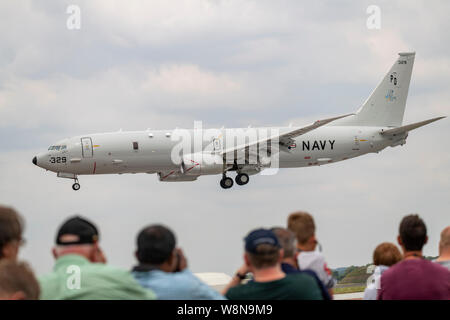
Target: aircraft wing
x=284, y=139
x=409, y=127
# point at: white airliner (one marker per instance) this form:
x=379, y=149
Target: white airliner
x=375, y=126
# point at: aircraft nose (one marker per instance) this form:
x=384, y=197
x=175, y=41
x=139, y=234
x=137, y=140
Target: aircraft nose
x=35, y=161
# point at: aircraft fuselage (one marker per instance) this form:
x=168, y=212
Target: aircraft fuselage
x=150, y=151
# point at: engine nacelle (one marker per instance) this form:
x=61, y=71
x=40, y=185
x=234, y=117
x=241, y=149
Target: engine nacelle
x=398, y=143
x=196, y=164
x=399, y=140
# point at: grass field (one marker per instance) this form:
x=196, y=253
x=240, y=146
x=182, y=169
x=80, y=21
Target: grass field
x=359, y=288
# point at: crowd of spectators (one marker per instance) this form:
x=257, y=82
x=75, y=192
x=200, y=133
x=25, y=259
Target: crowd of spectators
x=280, y=263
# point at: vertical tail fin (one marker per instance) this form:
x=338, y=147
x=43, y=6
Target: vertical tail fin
x=386, y=105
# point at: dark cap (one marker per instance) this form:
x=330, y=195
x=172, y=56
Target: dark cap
x=77, y=230
x=260, y=236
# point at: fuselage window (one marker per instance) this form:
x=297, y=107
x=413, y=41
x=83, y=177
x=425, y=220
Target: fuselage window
x=57, y=148
x=135, y=146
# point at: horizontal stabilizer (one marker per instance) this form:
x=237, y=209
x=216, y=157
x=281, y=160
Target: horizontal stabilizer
x=409, y=127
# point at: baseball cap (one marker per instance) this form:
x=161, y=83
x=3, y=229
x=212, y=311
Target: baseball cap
x=260, y=236
x=81, y=231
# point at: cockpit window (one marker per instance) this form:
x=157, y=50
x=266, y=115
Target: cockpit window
x=63, y=147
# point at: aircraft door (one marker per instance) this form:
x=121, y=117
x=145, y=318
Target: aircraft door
x=86, y=147
x=217, y=144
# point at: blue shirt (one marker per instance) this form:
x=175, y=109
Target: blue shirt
x=183, y=285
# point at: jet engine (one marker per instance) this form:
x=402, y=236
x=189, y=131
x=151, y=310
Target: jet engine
x=399, y=140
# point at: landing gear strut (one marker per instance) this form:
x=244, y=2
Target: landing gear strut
x=226, y=182
x=76, y=186
x=242, y=178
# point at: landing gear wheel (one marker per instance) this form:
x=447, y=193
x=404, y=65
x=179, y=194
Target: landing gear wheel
x=242, y=178
x=226, y=183
x=76, y=186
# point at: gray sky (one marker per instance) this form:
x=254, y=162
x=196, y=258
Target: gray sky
x=158, y=64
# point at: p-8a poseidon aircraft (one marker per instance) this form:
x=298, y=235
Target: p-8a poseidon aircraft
x=184, y=155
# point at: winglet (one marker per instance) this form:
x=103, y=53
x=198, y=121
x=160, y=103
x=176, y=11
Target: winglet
x=409, y=127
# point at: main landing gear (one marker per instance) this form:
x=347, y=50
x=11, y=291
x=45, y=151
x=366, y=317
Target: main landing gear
x=242, y=178
x=227, y=182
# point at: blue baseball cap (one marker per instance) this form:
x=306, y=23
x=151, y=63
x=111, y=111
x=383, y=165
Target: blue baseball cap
x=260, y=236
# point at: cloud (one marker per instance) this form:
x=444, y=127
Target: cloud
x=161, y=65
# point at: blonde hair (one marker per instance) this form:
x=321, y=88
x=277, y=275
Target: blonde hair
x=302, y=224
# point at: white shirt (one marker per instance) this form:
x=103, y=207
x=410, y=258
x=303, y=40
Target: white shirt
x=373, y=283
x=315, y=261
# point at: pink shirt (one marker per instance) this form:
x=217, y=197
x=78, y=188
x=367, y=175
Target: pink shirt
x=415, y=279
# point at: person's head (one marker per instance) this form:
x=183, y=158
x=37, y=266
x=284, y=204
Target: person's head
x=262, y=250
x=302, y=225
x=386, y=254
x=156, y=247
x=17, y=281
x=78, y=236
x=412, y=233
x=444, y=243
x=11, y=228
x=288, y=242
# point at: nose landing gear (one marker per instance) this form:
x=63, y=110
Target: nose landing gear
x=76, y=186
